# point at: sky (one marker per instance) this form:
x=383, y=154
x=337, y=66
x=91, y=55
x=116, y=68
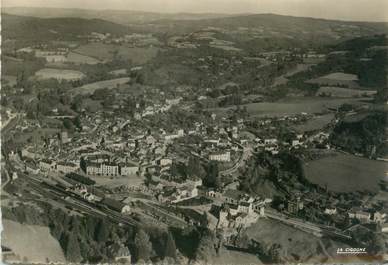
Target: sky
x=360, y=10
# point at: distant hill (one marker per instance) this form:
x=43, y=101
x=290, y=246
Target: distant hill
x=264, y=25
x=125, y=17
x=32, y=28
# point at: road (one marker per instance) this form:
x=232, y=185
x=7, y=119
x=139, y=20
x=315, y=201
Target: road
x=247, y=152
x=10, y=124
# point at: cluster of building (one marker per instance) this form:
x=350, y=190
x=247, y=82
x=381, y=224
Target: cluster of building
x=110, y=169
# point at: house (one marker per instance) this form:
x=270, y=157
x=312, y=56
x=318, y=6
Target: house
x=221, y=157
x=170, y=137
x=272, y=141
x=165, y=162
x=295, y=205
x=66, y=167
x=213, y=194
x=64, y=137
x=384, y=228
x=55, y=58
x=127, y=169
x=259, y=207
x=173, y=101
x=93, y=169
x=150, y=140
x=122, y=256
x=379, y=217
x=245, y=207
x=109, y=169
x=14, y=175
x=233, y=208
x=331, y=211
x=31, y=168
x=47, y=165
x=361, y=215
x=116, y=205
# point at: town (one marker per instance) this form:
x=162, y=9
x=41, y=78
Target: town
x=201, y=134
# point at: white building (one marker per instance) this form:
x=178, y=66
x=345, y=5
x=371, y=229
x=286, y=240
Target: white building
x=47, y=165
x=165, y=162
x=270, y=141
x=331, y=211
x=109, y=169
x=221, y=157
x=127, y=170
x=66, y=167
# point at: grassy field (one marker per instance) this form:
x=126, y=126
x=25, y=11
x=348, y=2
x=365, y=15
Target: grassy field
x=117, y=181
x=315, y=123
x=293, y=242
x=110, y=84
x=346, y=173
x=105, y=52
x=290, y=106
x=31, y=242
x=344, y=92
x=77, y=58
x=335, y=79
x=299, y=68
x=48, y=73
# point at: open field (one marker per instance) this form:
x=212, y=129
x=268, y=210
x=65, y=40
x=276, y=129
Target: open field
x=31, y=242
x=77, y=58
x=105, y=52
x=117, y=181
x=346, y=173
x=336, y=79
x=315, y=123
x=300, y=67
x=60, y=74
x=291, y=106
x=341, y=92
x=110, y=84
x=294, y=242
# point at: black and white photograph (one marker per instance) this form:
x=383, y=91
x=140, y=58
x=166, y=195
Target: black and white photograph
x=194, y=132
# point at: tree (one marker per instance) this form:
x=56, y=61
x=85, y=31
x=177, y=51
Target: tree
x=68, y=124
x=21, y=79
x=143, y=246
x=194, y=168
x=170, y=249
x=72, y=249
x=212, y=178
x=102, y=231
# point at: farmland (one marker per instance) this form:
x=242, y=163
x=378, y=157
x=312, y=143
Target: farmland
x=77, y=58
x=316, y=123
x=106, y=52
x=291, y=240
x=336, y=79
x=291, y=106
x=344, y=92
x=59, y=74
x=110, y=84
x=346, y=173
